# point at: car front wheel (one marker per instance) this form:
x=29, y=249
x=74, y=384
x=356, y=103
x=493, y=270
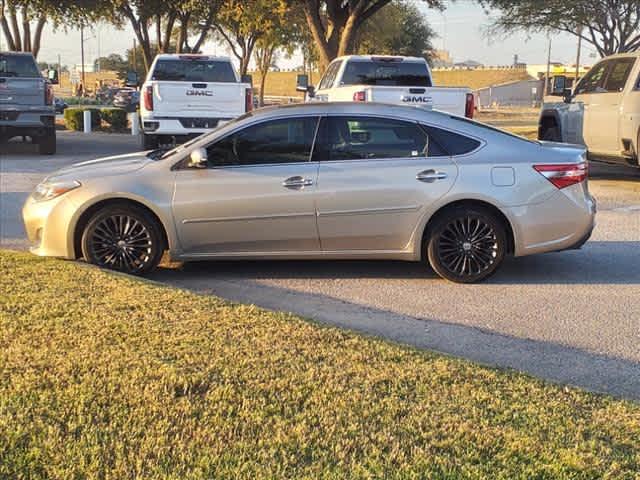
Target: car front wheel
x=123, y=238
x=466, y=245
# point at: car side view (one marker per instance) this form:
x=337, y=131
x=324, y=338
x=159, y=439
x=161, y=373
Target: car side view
x=322, y=181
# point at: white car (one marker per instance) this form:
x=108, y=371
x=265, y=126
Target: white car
x=601, y=113
x=184, y=96
x=386, y=79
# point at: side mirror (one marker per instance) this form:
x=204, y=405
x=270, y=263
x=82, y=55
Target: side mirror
x=132, y=80
x=198, y=158
x=52, y=76
x=558, y=85
x=567, y=95
x=246, y=79
x=302, y=83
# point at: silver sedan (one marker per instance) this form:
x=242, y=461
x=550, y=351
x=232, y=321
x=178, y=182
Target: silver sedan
x=322, y=181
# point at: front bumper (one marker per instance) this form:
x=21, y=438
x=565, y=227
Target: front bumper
x=47, y=226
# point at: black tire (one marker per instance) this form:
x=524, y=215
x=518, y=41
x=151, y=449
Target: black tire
x=551, y=134
x=47, y=143
x=466, y=244
x=125, y=238
x=148, y=142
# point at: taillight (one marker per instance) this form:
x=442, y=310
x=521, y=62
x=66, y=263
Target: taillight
x=248, y=100
x=48, y=95
x=564, y=175
x=147, y=98
x=360, y=96
x=469, y=106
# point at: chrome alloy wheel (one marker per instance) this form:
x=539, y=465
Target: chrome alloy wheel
x=121, y=242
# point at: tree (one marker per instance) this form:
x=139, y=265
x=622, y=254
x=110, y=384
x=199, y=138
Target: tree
x=115, y=63
x=400, y=29
x=611, y=26
x=334, y=24
x=241, y=24
x=22, y=21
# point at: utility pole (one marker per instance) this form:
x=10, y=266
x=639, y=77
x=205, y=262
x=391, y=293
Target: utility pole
x=135, y=63
x=578, y=55
x=546, y=78
x=84, y=85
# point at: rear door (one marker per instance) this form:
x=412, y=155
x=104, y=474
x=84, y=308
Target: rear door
x=256, y=197
x=196, y=87
x=20, y=82
x=376, y=177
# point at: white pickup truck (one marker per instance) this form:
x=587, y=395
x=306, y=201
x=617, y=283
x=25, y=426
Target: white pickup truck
x=386, y=79
x=602, y=112
x=184, y=96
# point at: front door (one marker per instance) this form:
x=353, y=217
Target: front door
x=375, y=179
x=257, y=194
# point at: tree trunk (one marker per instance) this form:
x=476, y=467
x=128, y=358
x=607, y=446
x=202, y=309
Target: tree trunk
x=26, y=31
x=13, y=18
x=37, y=36
x=5, y=28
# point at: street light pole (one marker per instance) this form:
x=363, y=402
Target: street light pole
x=578, y=55
x=546, y=78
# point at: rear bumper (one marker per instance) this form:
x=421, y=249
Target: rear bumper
x=32, y=123
x=186, y=126
x=564, y=221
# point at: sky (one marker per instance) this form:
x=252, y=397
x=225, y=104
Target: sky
x=461, y=29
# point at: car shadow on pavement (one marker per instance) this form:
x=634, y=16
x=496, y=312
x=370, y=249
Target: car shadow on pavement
x=548, y=360
x=598, y=262
x=609, y=171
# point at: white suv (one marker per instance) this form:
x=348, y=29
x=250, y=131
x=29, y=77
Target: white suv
x=187, y=95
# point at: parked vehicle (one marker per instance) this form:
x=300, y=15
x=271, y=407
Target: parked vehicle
x=26, y=101
x=127, y=98
x=60, y=105
x=386, y=79
x=602, y=112
x=324, y=181
x=187, y=95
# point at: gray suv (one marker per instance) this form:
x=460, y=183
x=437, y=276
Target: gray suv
x=26, y=101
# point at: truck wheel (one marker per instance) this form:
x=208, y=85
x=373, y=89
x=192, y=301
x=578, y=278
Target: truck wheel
x=551, y=134
x=47, y=143
x=148, y=142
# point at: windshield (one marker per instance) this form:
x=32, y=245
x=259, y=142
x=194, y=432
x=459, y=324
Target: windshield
x=193, y=70
x=20, y=66
x=390, y=73
x=186, y=145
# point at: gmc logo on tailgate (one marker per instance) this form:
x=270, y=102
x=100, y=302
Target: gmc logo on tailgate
x=416, y=99
x=199, y=93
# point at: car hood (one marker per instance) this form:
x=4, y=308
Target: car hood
x=102, y=167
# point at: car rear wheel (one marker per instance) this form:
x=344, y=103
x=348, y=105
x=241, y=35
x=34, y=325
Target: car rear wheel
x=123, y=238
x=47, y=143
x=466, y=245
x=148, y=142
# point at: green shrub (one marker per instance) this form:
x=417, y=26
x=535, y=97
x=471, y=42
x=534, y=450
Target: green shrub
x=115, y=117
x=74, y=119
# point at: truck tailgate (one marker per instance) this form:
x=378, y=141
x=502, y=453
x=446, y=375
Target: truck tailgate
x=446, y=99
x=22, y=91
x=209, y=100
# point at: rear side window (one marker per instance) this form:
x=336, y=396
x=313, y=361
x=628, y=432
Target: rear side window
x=276, y=141
x=330, y=75
x=452, y=143
x=193, y=70
x=364, y=138
x=19, y=66
x=389, y=73
x=619, y=74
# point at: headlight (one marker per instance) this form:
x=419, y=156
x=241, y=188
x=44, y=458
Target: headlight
x=48, y=190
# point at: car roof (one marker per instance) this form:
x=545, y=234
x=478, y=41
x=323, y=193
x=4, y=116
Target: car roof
x=177, y=56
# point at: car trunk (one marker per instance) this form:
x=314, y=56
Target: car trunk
x=210, y=100
x=22, y=91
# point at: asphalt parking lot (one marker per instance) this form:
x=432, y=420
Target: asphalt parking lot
x=571, y=317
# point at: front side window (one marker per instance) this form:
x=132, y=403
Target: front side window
x=287, y=140
x=193, y=70
x=592, y=81
x=19, y=66
x=361, y=138
x=620, y=71
x=390, y=73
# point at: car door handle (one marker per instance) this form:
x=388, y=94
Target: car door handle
x=430, y=176
x=297, y=182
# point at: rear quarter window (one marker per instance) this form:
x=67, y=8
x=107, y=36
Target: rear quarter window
x=453, y=143
x=193, y=70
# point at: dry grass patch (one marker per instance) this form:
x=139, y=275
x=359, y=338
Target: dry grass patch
x=105, y=376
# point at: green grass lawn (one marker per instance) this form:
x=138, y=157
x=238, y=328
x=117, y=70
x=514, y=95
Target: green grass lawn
x=108, y=377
